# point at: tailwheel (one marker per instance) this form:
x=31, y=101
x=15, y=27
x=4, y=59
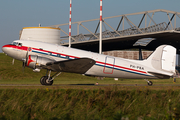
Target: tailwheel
x=45, y=80
x=150, y=83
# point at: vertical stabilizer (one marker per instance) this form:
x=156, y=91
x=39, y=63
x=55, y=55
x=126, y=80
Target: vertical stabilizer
x=164, y=58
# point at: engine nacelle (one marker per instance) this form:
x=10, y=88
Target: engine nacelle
x=34, y=61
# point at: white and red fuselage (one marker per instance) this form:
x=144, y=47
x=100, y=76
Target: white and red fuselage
x=106, y=66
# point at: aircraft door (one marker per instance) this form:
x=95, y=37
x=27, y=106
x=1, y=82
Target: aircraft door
x=109, y=65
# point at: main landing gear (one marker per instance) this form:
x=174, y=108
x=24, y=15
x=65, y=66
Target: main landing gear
x=150, y=83
x=48, y=79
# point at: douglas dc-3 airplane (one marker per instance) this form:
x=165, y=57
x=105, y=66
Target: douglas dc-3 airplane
x=53, y=57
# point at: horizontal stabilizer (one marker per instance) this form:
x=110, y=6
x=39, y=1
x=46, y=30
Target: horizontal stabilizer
x=81, y=65
x=160, y=75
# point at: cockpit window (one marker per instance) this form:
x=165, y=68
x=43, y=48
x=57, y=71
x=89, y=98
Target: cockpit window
x=15, y=43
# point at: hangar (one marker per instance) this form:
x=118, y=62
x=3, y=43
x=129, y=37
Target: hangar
x=147, y=29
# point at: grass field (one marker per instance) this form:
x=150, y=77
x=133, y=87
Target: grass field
x=80, y=104
x=13, y=74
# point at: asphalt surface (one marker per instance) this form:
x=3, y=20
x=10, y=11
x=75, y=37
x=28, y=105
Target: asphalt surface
x=91, y=85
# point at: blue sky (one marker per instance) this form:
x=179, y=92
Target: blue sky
x=16, y=14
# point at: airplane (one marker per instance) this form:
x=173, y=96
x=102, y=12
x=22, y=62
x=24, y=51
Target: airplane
x=53, y=57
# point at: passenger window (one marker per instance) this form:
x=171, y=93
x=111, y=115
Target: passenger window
x=58, y=55
x=49, y=53
x=67, y=57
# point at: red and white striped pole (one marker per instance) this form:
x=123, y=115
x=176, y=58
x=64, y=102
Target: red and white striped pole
x=70, y=23
x=100, y=39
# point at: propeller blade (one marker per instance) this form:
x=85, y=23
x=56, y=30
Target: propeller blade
x=13, y=62
x=25, y=62
x=23, y=66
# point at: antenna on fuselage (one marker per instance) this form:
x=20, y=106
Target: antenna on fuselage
x=70, y=23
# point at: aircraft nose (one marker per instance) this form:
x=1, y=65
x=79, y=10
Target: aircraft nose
x=5, y=49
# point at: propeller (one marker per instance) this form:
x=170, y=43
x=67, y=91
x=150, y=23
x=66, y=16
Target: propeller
x=13, y=62
x=25, y=62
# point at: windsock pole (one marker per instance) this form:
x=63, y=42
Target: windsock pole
x=100, y=36
x=70, y=23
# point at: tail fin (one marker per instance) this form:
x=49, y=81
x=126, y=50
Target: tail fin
x=164, y=58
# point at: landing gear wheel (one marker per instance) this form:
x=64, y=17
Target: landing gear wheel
x=45, y=81
x=150, y=83
x=41, y=80
x=49, y=81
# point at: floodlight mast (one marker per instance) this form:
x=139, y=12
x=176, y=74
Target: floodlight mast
x=100, y=39
x=70, y=23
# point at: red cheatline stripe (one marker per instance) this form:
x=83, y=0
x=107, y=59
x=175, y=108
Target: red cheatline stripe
x=16, y=47
x=96, y=61
x=121, y=67
x=53, y=52
x=25, y=48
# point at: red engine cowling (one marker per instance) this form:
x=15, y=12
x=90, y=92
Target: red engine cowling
x=34, y=61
